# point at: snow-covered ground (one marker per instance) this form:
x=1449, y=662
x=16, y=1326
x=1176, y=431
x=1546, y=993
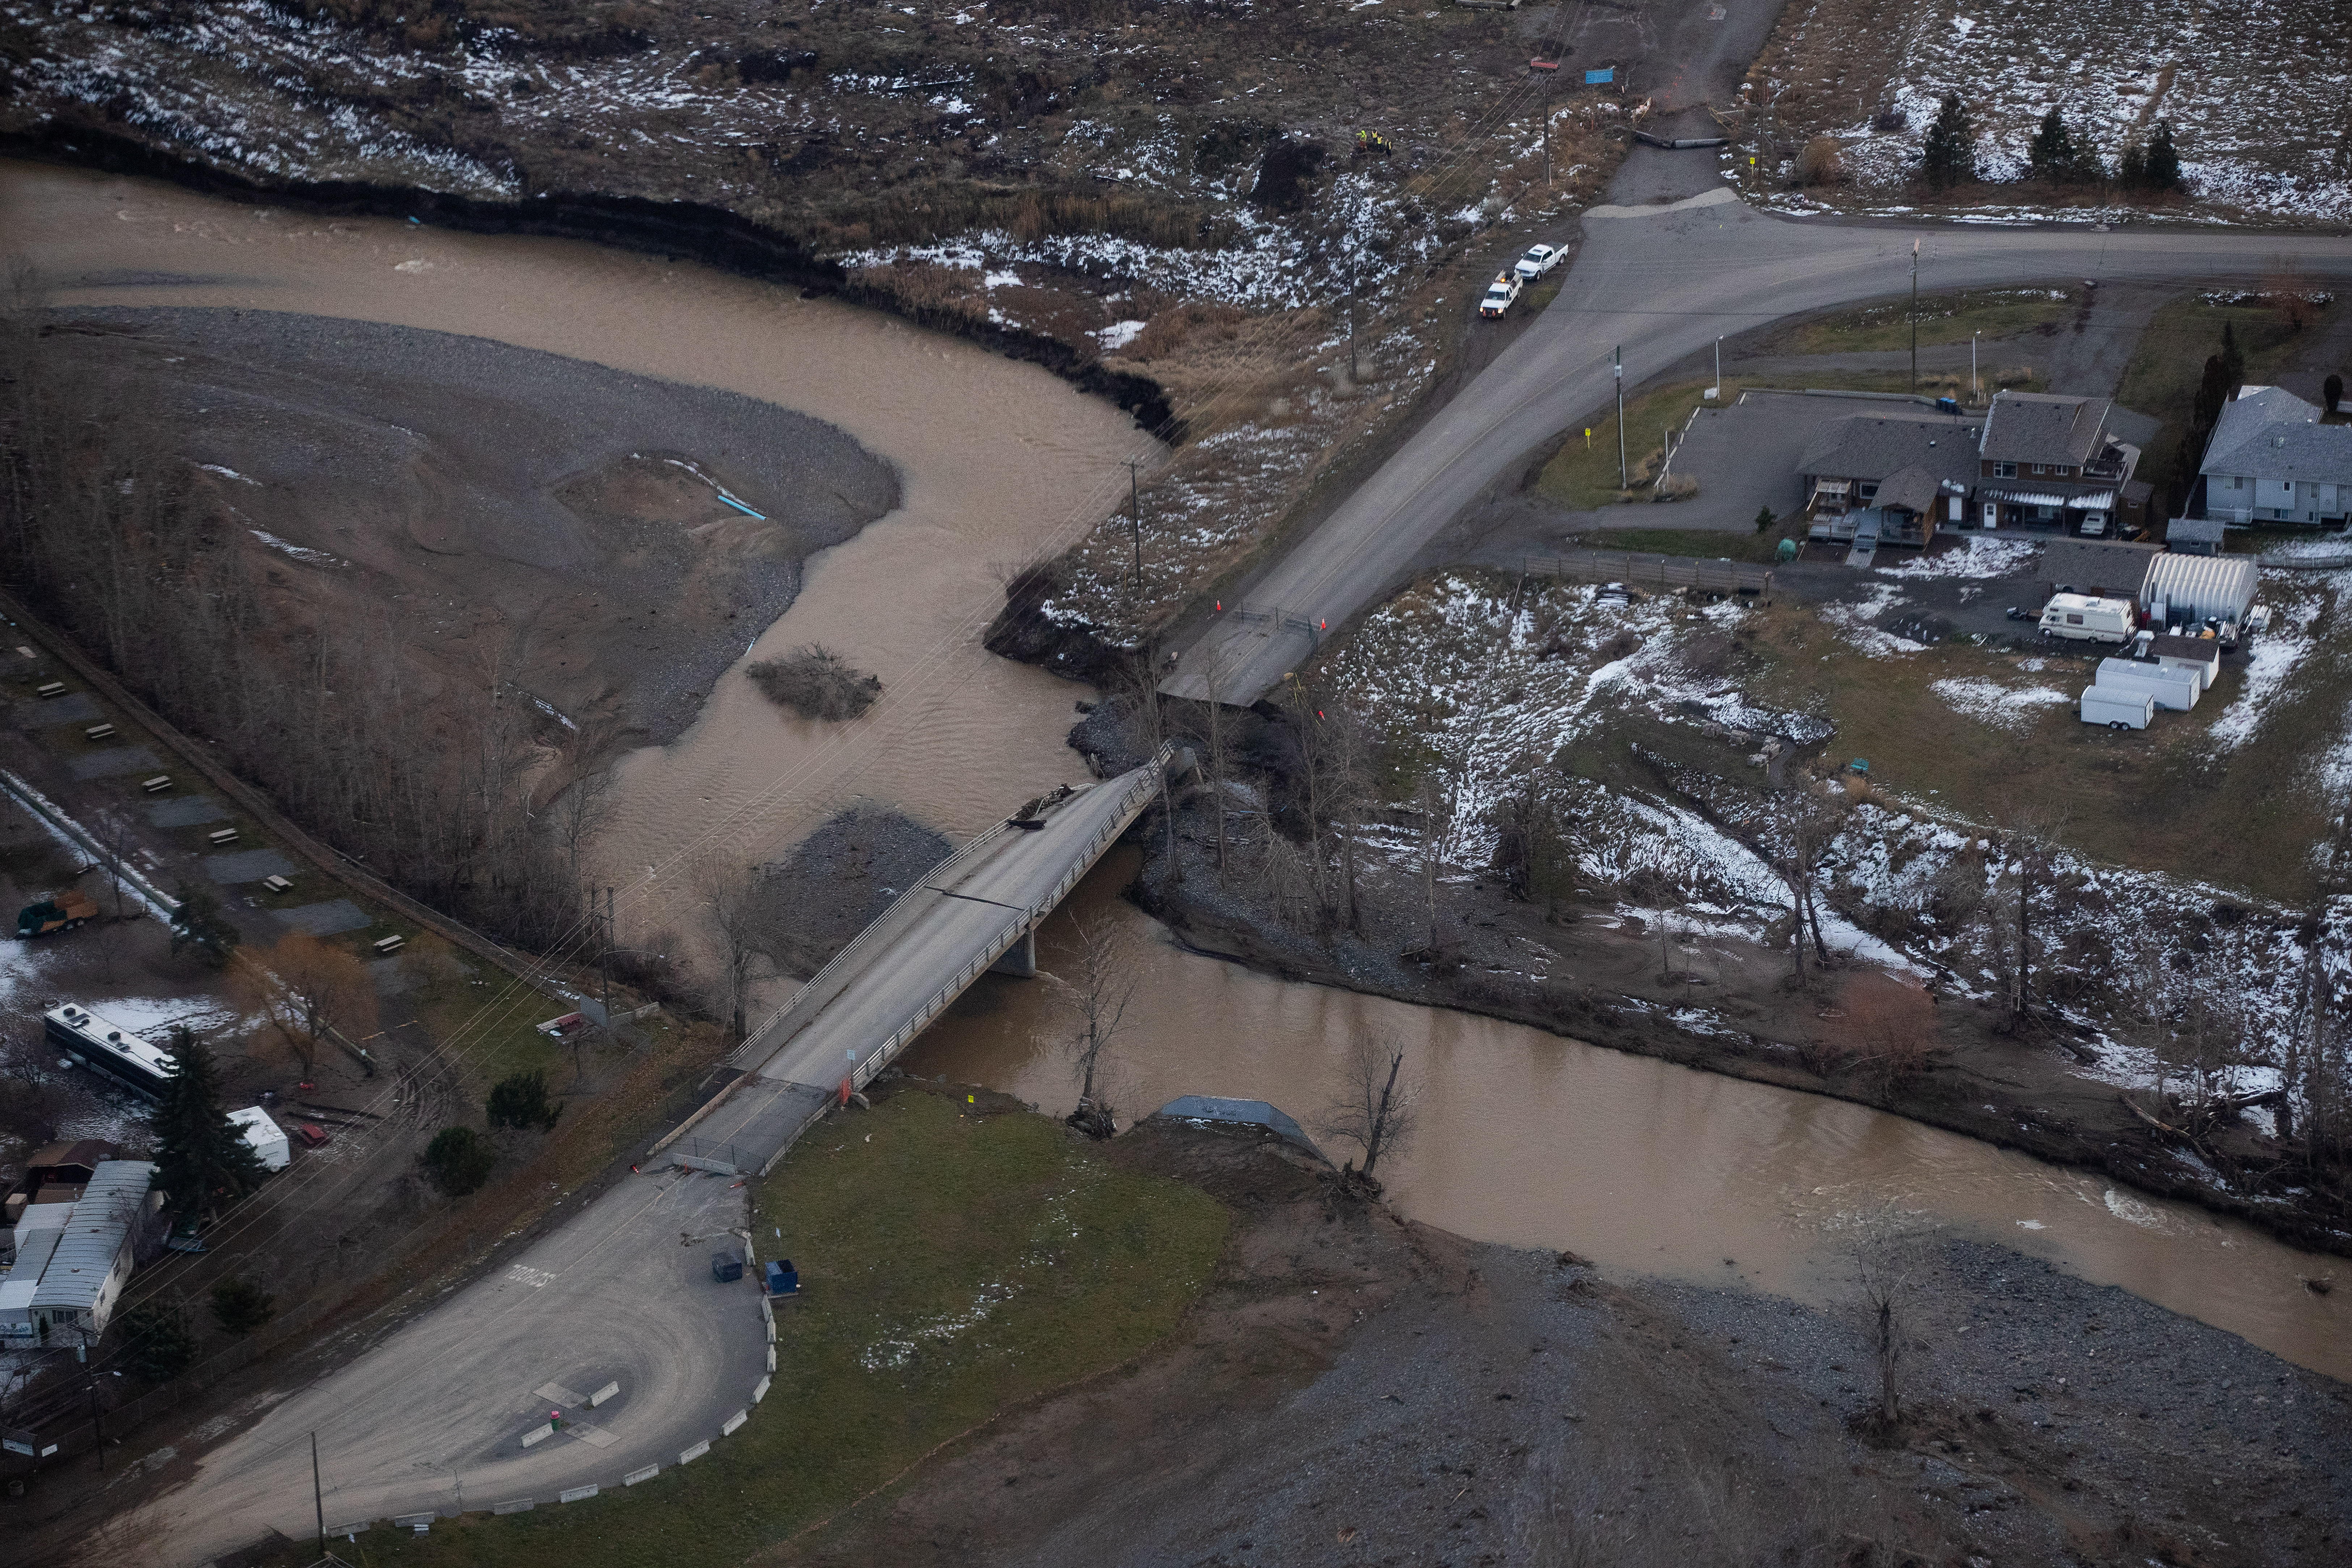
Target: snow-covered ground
x=2256, y=95
x=1500, y=683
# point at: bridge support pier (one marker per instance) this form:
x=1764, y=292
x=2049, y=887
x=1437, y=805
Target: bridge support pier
x=1020, y=960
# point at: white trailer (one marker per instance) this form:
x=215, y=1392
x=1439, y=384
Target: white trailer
x=267, y=1138
x=2176, y=689
x=2086, y=617
x=2117, y=710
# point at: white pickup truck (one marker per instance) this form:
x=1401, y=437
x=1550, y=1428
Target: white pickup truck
x=1538, y=260
x=1499, y=294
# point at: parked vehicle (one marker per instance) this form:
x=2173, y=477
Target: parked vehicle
x=59, y=911
x=1538, y=260
x=311, y=1133
x=1499, y=294
x=2084, y=617
x=2020, y=613
x=2118, y=709
x=1612, y=593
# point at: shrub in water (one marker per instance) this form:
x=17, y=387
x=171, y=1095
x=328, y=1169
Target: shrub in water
x=816, y=683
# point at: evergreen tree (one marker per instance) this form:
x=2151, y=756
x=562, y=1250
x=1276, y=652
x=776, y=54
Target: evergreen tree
x=157, y=1340
x=2131, y=169
x=459, y=1159
x=199, y=923
x=521, y=1102
x=2163, y=171
x=2332, y=389
x=2233, y=361
x=1948, y=154
x=241, y=1306
x=2052, y=156
x=202, y=1158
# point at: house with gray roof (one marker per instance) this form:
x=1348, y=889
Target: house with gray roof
x=2051, y=461
x=2272, y=460
x=1914, y=469
x=71, y=1264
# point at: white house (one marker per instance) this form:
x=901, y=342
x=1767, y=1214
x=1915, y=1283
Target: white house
x=71, y=1263
x=2271, y=460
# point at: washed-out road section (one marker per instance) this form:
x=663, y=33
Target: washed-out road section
x=1662, y=282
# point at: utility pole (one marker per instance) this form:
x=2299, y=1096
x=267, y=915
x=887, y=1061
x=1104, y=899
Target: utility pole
x=1618, y=367
x=1718, y=370
x=1915, y=316
x=604, y=952
x=1547, y=114
x=318, y=1497
x=1135, y=519
x=1351, y=316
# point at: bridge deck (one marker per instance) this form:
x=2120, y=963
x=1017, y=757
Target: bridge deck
x=865, y=1006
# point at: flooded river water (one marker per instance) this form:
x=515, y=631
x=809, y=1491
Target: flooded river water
x=1525, y=1138
x=1642, y=1165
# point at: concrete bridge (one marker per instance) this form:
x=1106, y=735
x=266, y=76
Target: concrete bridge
x=979, y=910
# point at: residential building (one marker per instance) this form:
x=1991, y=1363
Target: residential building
x=1915, y=470
x=73, y=1257
x=2272, y=460
x=2049, y=461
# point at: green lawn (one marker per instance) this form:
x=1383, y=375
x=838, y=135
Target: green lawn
x=1943, y=319
x=961, y=1261
x=1705, y=544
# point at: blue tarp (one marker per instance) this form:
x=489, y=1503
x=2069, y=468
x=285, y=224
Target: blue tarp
x=1594, y=78
x=1252, y=1112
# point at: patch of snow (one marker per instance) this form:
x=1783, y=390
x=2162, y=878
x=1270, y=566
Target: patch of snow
x=1990, y=703
x=1117, y=335
x=1982, y=558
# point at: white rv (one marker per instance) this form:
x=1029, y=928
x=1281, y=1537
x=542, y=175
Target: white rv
x=2085, y=618
x=266, y=1137
x=2117, y=710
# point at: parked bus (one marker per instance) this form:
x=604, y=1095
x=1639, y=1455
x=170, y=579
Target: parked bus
x=91, y=1042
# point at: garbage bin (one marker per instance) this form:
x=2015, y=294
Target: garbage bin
x=726, y=1266
x=784, y=1279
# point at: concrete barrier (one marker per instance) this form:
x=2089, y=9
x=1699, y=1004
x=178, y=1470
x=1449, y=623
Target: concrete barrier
x=538, y=1434
x=577, y=1494
x=759, y=1389
x=352, y=1532
x=633, y=1476
x=602, y=1395
x=687, y=1456
x=419, y=1522
x=514, y=1505
x=726, y=1427
x=771, y=1358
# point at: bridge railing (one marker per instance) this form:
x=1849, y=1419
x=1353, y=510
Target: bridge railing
x=1131, y=803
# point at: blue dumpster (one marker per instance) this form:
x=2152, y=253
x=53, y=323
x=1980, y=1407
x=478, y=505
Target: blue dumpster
x=784, y=1279
x=726, y=1266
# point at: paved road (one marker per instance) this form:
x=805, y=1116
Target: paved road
x=431, y=1420
x=1663, y=282
x=432, y=1416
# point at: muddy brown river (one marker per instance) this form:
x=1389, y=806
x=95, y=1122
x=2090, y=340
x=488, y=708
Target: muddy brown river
x=1525, y=1138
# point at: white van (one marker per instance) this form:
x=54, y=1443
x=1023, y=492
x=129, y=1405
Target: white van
x=2173, y=689
x=2117, y=710
x=2084, y=617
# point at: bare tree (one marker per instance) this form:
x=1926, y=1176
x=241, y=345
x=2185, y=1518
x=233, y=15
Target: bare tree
x=308, y=990
x=1883, y=1275
x=730, y=895
x=1805, y=830
x=1149, y=717
x=2029, y=850
x=1101, y=984
x=1372, y=1105
x=1435, y=803
x=1214, y=732
x=581, y=812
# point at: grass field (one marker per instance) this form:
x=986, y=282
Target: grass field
x=1943, y=319
x=963, y=1259
x=1706, y=544
x=2168, y=798
x=488, y=1027
x=2169, y=363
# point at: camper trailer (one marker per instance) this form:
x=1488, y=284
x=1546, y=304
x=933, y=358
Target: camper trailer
x=2085, y=618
